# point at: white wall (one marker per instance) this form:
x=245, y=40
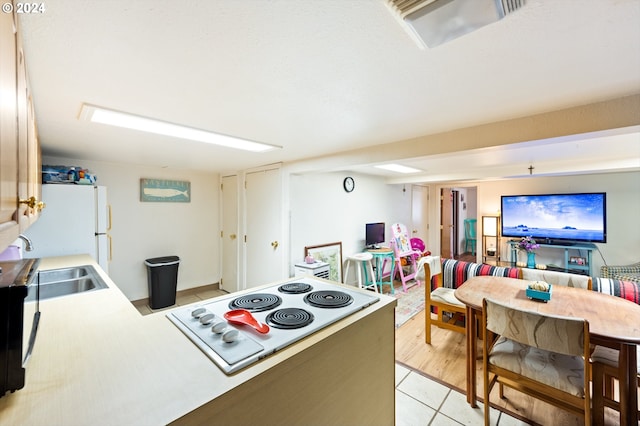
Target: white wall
x=319, y=212
x=322, y=212
x=146, y=230
x=623, y=209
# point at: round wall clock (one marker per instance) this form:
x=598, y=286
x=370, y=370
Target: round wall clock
x=348, y=184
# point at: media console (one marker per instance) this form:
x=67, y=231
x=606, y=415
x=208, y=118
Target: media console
x=577, y=266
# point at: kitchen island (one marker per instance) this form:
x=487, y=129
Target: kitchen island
x=98, y=361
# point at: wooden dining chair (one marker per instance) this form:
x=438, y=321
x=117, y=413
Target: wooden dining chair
x=439, y=292
x=604, y=363
x=450, y=312
x=537, y=354
x=440, y=298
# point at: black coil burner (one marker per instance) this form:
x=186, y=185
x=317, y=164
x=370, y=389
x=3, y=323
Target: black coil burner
x=328, y=299
x=257, y=302
x=295, y=288
x=289, y=318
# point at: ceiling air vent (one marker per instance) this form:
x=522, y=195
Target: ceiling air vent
x=434, y=22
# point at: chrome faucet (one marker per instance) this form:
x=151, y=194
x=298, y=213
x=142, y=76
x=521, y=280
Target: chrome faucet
x=28, y=244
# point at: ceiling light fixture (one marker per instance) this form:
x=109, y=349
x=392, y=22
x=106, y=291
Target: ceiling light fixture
x=111, y=117
x=398, y=168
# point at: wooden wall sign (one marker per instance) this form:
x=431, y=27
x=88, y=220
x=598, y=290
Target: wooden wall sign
x=166, y=191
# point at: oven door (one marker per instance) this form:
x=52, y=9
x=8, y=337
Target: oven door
x=31, y=319
x=19, y=318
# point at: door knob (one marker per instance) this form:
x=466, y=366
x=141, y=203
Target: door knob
x=274, y=244
x=232, y=236
x=32, y=202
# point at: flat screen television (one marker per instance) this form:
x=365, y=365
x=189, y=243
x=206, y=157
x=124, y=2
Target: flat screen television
x=556, y=218
x=374, y=234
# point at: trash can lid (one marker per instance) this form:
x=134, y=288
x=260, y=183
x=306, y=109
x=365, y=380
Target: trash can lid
x=162, y=261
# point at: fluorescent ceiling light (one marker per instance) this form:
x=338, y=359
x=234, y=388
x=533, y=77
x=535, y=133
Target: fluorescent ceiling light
x=398, y=168
x=96, y=114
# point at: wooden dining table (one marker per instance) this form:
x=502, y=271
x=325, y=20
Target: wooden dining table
x=613, y=322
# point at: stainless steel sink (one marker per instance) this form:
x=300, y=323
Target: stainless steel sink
x=66, y=281
x=64, y=274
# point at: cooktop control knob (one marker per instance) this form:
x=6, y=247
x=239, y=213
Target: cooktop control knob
x=207, y=319
x=198, y=312
x=230, y=336
x=219, y=327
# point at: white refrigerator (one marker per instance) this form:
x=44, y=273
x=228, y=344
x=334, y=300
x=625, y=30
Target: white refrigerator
x=76, y=220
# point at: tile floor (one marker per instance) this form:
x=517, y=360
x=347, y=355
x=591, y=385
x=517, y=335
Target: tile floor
x=420, y=401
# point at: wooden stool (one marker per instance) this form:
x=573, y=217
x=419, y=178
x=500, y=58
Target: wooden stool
x=361, y=261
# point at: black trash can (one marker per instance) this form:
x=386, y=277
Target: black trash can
x=162, y=274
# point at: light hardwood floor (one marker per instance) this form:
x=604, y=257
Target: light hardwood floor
x=444, y=362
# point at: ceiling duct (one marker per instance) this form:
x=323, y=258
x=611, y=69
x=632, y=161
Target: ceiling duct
x=434, y=22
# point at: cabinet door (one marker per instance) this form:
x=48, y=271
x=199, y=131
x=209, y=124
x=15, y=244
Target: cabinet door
x=9, y=227
x=28, y=146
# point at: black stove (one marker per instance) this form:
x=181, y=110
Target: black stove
x=295, y=288
x=289, y=318
x=292, y=311
x=256, y=302
x=328, y=299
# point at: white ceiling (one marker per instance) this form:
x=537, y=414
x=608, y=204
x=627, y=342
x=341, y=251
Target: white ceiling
x=323, y=76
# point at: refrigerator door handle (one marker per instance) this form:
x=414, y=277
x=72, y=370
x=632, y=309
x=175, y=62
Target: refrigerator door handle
x=109, y=217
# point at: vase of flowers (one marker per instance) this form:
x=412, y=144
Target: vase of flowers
x=529, y=245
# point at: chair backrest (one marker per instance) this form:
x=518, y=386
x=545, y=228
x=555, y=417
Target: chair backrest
x=456, y=272
x=429, y=267
x=470, y=229
x=400, y=238
x=607, y=271
x=566, y=335
x=557, y=278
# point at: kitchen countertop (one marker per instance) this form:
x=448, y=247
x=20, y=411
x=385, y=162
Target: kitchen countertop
x=97, y=360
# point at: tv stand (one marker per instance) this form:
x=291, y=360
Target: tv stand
x=548, y=242
x=569, y=266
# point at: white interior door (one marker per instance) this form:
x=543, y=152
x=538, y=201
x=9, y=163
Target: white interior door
x=230, y=246
x=420, y=213
x=263, y=245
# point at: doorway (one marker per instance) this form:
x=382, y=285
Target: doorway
x=446, y=223
x=456, y=205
